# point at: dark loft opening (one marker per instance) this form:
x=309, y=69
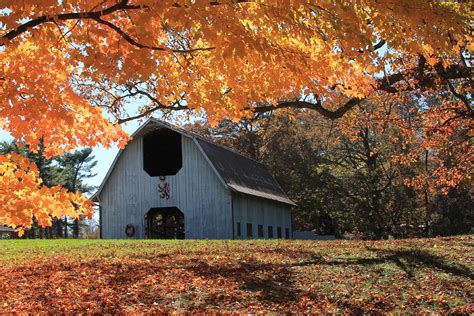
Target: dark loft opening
x=164, y=223
x=162, y=154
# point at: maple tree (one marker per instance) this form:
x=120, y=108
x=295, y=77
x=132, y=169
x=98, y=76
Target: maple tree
x=68, y=68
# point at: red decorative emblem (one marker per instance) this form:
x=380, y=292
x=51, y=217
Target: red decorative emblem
x=164, y=190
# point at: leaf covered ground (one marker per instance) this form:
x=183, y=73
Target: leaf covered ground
x=61, y=276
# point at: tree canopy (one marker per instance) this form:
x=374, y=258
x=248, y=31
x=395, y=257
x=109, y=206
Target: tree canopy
x=351, y=182
x=68, y=68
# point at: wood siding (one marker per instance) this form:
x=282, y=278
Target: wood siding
x=258, y=211
x=196, y=190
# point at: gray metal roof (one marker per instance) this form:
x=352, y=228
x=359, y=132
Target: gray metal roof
x=243, y=174
x=237, y=172
x=5, y=229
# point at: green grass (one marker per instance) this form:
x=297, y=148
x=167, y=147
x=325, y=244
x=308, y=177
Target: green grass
x=57, y=276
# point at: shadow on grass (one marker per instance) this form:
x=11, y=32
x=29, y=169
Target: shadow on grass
x=271, y=283
x=406, y=260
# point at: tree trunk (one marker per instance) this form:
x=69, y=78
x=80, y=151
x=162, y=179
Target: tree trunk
x=58, y=228
x=427, y=206
x=65, y=227
x=76, y=228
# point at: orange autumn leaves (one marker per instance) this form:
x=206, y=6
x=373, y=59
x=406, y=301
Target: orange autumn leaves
x=22, y=196
x=68, y=69
x=39, y=104
x=407, y=133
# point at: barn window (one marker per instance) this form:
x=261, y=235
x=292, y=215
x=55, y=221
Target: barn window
x=162, y=154
x=239, y=232
x=249, y=230
x=270, y=231
x=279, y=232
x=260, y=231
x=287, y=233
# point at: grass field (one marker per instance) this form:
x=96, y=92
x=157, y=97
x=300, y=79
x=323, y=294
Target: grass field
x=421, y=275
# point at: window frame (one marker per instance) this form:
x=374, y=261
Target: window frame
x=239, y=229
x=270, y=232
x=249, y=230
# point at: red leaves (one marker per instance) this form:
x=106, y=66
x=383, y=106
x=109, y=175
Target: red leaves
x=335, y=276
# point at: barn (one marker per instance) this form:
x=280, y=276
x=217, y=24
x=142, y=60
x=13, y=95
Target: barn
x=169, y=183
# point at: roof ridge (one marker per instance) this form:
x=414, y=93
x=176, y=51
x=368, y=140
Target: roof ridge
x=229, y=149
x=196, y=135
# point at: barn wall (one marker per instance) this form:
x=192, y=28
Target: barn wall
x=196, y=190
x=258, y=211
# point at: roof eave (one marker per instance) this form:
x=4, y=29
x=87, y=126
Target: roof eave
x=260, y=194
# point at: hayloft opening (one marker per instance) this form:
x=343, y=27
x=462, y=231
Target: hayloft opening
x=162, y=154
x=164, y=223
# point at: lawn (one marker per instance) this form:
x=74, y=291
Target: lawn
x=57, y=276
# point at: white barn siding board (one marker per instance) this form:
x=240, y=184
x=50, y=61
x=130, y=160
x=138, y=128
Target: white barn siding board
x=196, y=190
x=215, y=189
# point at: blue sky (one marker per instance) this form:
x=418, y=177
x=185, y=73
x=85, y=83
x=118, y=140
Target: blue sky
x=103, y=156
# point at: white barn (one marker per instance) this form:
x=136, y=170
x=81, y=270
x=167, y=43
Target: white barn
x=170, y=183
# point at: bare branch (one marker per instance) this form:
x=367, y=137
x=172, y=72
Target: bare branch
x=158, y=106
x=122, y=5
x=387, y=84
x=139, y=45
x=312, y=106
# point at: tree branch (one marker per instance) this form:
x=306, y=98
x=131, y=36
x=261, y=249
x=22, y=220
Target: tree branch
x=374, y=48
x=158, y=106
x=139, y=45
x=122, y=5
x=312, y=106
x=424, y=81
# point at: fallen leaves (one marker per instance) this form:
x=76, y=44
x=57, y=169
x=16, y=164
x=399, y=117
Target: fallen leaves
x=272, y=276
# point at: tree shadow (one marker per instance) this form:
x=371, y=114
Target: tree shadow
x=406, y=260
x=271, y=283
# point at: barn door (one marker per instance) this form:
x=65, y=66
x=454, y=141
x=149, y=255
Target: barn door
x=164, y=223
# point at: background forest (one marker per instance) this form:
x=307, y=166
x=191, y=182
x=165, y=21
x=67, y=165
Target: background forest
x=350, y=177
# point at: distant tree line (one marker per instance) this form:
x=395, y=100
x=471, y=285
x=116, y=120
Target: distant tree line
x=351, y=182
x=69, y=171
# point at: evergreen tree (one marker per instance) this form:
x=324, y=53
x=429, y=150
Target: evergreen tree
x=69, y=171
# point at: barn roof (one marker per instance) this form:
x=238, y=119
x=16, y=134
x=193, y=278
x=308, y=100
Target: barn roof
x=243, y=174
x=5, y=229
x=239, y=173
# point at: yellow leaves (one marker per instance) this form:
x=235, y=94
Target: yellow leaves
x=262, y=51
x=22, y=195
x=470, y=47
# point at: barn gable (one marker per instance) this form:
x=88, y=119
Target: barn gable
x=170, y=183
x=236, y=172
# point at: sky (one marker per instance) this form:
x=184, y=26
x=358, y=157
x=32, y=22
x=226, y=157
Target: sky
x=104, y=157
